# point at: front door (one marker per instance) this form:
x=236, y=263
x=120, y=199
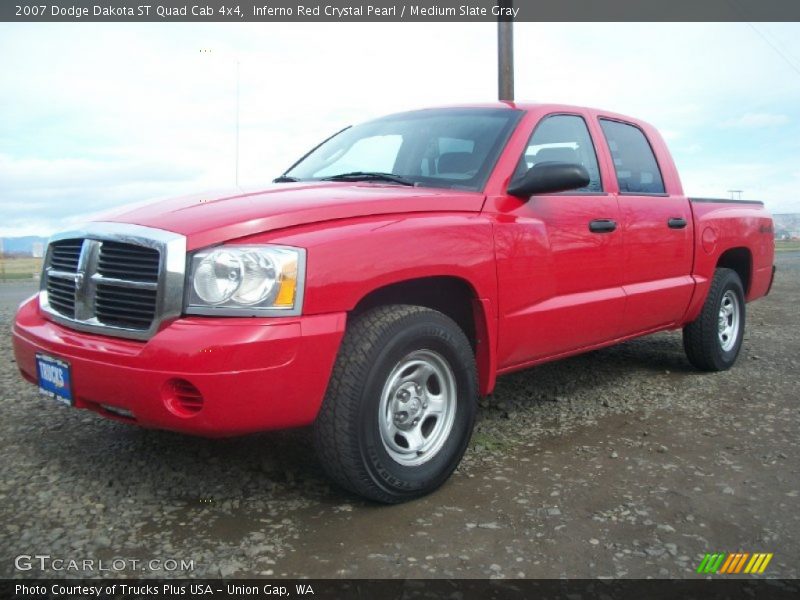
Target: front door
x=559, y=256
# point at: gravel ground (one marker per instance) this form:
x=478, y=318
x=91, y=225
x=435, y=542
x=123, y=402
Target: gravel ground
x=622, y=462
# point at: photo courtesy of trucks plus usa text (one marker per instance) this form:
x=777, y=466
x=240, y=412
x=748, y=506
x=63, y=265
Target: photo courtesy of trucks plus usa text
x=386, y=279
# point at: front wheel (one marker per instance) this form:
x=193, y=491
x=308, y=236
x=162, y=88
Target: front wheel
x=400, y=405
x=713, y=340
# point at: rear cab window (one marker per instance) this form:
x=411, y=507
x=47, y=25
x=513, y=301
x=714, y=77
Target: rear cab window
x=634, y=161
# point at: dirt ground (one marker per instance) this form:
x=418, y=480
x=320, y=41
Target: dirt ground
x=624, y=462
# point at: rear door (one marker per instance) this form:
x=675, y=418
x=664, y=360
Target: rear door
x=559, y=255
x=657, y=229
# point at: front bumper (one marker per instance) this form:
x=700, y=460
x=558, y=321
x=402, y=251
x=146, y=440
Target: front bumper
x=254, y=374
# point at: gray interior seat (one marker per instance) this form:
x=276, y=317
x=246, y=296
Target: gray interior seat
x=456, y=162
x=567, y=155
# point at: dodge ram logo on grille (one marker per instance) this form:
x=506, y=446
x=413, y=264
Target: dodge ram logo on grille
x=79, y=281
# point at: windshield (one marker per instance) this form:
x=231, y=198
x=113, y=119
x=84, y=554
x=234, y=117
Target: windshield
x=449, y=148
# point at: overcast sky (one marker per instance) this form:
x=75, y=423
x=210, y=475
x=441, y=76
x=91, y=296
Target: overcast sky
x=93, y=116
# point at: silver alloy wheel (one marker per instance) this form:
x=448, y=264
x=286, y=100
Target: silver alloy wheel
x=418, y=407
x=728, y=322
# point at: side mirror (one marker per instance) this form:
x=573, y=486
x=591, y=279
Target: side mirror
x=549, y=177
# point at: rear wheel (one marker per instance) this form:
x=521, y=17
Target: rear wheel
x=400, y=405
x=713, y=341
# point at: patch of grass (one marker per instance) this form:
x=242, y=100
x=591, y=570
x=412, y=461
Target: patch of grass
x=489, y=442
x=19, y=268
x=786, y=245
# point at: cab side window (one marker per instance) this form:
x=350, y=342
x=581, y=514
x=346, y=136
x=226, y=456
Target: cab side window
x=634, y=161
x=562, y=138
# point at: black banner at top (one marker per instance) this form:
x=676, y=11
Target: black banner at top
x=397, y=10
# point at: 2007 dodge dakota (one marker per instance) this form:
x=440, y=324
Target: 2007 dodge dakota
x=386, y=279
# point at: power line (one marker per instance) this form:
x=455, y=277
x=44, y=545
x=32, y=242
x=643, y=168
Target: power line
x=787, y=50
x=777, y=50
x=738, y=8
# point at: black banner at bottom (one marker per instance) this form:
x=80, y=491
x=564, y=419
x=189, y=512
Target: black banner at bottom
x=402, y=589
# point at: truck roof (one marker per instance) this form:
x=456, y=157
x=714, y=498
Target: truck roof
x=544, y=107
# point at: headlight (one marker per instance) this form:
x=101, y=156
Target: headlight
x=247, y=281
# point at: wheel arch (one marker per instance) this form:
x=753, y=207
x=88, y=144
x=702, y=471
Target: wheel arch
x=453, y=296
x=739, y=259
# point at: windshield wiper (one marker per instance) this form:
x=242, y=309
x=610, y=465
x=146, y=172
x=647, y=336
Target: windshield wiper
x=369, y=175
x=285, y=179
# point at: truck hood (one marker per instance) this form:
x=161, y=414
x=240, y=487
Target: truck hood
x=207, y=219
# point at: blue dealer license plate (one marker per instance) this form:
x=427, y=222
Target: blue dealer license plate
x=54, y=378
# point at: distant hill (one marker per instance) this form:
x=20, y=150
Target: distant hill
x=21, y=245
x=787, y=225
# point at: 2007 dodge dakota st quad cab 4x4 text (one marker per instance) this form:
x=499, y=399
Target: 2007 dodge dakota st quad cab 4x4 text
x=386, y=279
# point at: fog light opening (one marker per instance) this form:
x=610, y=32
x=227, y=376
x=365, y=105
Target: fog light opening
x=182, y=398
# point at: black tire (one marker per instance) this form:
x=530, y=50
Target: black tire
x=701, y=338
x=347, y=434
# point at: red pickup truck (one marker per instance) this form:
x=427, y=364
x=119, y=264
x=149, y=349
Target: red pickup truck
x=387, y=278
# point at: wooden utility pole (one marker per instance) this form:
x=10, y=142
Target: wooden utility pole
x=505, y=55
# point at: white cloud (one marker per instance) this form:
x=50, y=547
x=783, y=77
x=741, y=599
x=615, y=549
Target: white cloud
x=756, y=120
x=773, y=184
x=96, y=115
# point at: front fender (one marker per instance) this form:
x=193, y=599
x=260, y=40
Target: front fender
x=349, y=259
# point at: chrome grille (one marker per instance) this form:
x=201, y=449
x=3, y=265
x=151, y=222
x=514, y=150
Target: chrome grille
x=64, y=255
x=126, y=261
x=61, y=293
x=115, y=279
x=63, y=262
x=125, y=307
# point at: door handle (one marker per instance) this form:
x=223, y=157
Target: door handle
x=676, y=223
x=602, y=226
